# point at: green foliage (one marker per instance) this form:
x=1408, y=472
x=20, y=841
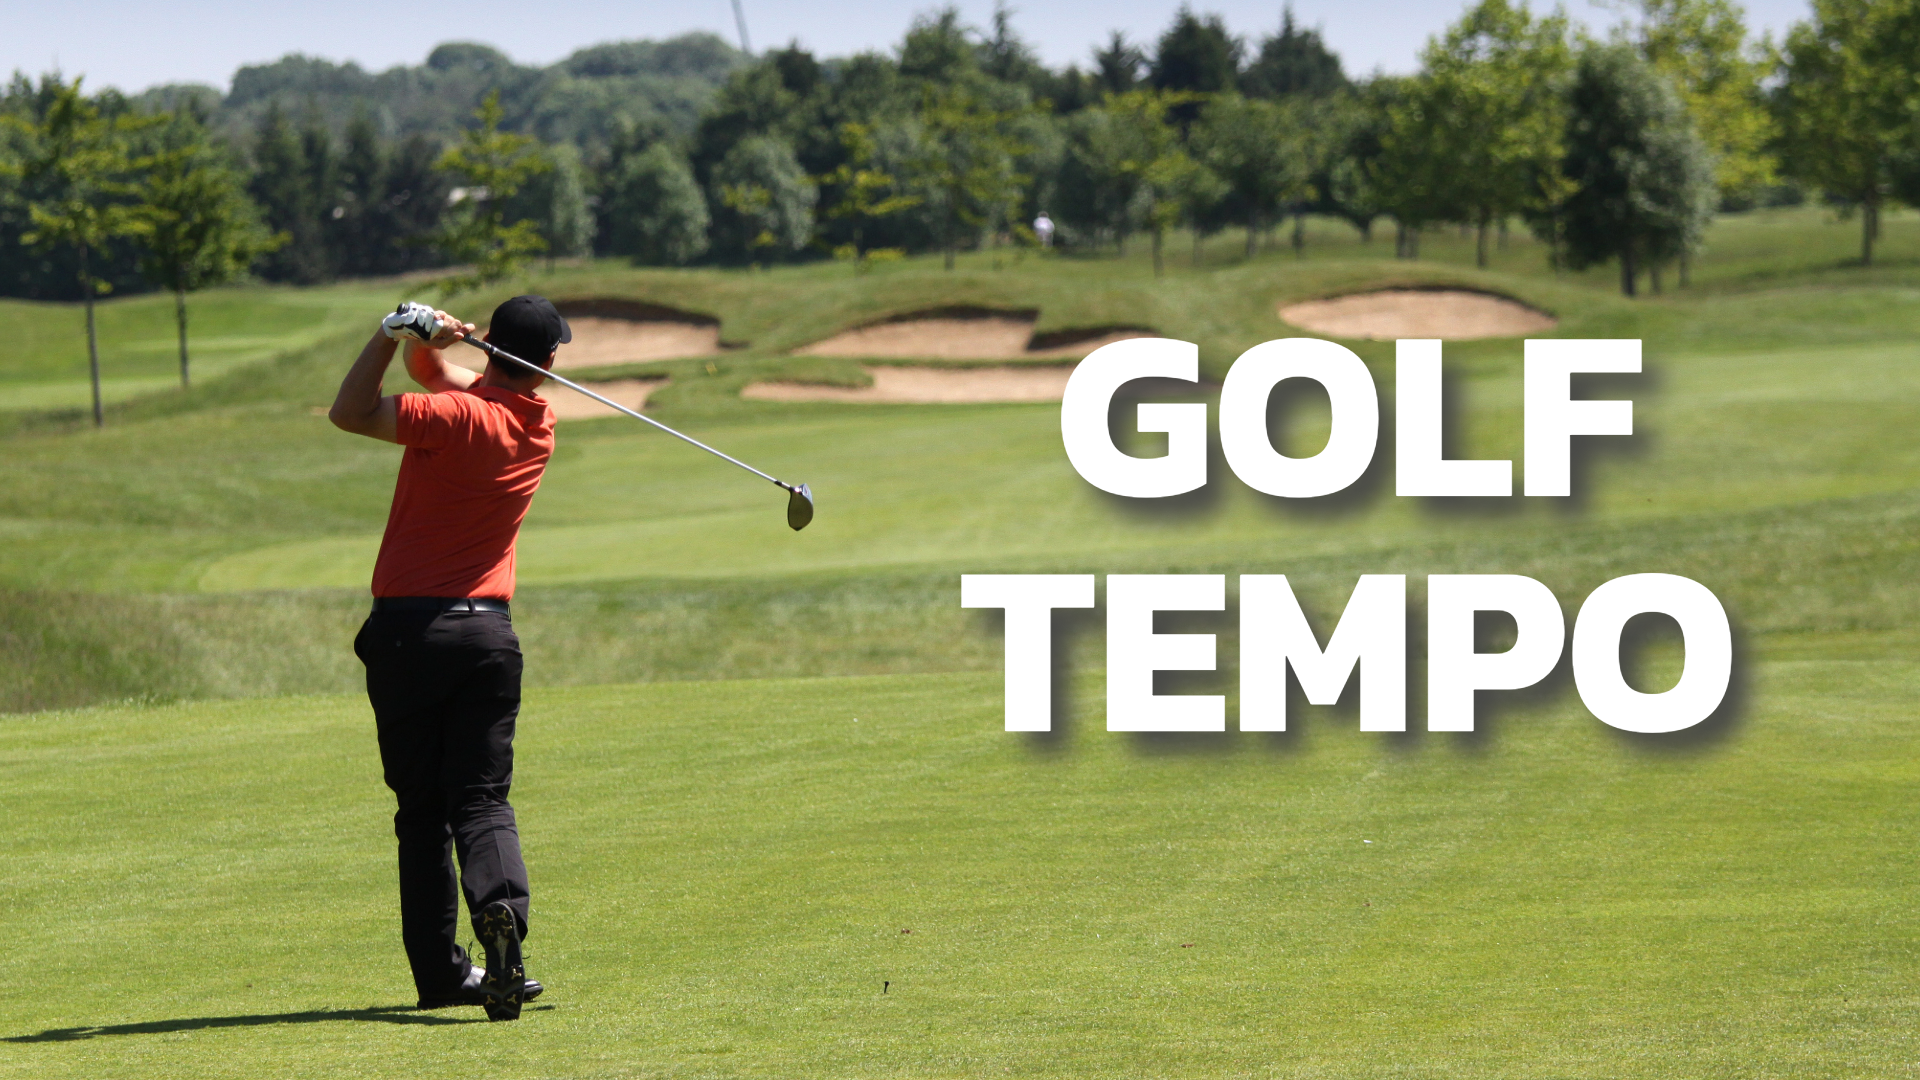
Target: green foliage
x=200, y=229
x=1294, y=61
x=1130, y=149
x=1119, y=64
x=1262, y=150
x=654, y=210
x=198, y=226
x=555, y=200
x=1702, y=46
x=1485, y=114
x=861, y=193
x=583, y=99
x=295, y=182
x=1196, y=55
x=83, y=161
x=965, y=168
x=492, y=165
x=763, y=202
x=1642, y=182
x=1846, y=106
x=938, y=49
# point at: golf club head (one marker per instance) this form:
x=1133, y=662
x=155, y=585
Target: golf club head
x=799, y=506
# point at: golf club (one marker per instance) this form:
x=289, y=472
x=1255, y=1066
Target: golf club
x=799, y=496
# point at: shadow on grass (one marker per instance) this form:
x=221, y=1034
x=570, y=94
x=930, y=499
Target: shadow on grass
x=385, y=1014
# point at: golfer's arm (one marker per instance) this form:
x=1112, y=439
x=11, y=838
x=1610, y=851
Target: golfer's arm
x=431, y=368
x=358, y=407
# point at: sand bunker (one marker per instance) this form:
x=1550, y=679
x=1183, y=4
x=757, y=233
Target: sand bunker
x=610, y=332
x=569, y=405
x=967, y=334
x=1454, y=314
x=930, y=386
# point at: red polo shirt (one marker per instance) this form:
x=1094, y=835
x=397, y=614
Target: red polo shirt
x=473, y=460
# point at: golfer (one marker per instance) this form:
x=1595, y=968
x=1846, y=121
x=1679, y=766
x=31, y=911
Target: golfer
x=443, y=664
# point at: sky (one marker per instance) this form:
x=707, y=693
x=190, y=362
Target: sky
x=134, y=44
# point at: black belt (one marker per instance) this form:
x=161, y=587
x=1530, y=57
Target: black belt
x=440, y=603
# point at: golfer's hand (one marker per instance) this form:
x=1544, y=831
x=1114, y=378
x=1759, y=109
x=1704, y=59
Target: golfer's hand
x=450, y=331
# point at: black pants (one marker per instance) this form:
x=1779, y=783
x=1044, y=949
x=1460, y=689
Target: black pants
x=445, y=689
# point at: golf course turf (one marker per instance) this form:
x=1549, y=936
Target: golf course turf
x=773, y=824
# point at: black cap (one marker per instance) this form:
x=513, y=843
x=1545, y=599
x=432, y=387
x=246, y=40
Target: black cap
x=528, y=327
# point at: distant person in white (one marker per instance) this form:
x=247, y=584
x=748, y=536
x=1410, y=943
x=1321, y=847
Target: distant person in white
x=1043, y=228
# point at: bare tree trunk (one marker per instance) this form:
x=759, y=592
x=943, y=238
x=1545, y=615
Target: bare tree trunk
x=1869, y=230
x=1503, y=232
x=1253, y=232
x=1399, y=239
x=1159, y=264
x=1626, y=273
x=1366, y=232
x=93, y=342
x=180, y=317
x=1480, y=243
x=1299, y=235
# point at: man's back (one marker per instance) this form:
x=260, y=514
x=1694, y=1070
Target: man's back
x=474, y=459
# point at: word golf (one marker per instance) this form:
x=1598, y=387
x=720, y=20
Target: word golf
x=1371, y=636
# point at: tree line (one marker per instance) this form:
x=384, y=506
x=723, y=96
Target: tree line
x=1610, y=148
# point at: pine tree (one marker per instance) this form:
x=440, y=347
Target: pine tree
x=1294, y=61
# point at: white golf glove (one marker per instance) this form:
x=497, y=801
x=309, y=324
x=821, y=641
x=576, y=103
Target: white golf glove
x=411, y=320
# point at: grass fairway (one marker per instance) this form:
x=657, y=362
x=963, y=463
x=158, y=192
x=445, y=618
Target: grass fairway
x=726, y=874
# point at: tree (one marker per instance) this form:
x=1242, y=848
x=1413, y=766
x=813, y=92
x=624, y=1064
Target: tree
x=1169, y=179
x=1845, y=107
x=491, y=165
x=655, y=212
x=1117, y=67
x=1098, y=194
x=1701, y=45
x=1490, y=100
x=1196, y=55
x=1005, y=56
x=1259, y=150
x=294, y=182
x=556, y=202
x=356, y=235
x=1410, y=178
x=763, y=201
x=79, y=159
x=1359, y=123
x=1643, y=182
x=937, y=48
x=965, y=169
x=199, y=226
x=863, y=192
x=1294, y=61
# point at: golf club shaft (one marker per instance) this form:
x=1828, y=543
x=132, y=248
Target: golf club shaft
x=498, y=353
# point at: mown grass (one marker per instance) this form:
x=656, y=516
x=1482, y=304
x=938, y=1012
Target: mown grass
x=866, y=877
